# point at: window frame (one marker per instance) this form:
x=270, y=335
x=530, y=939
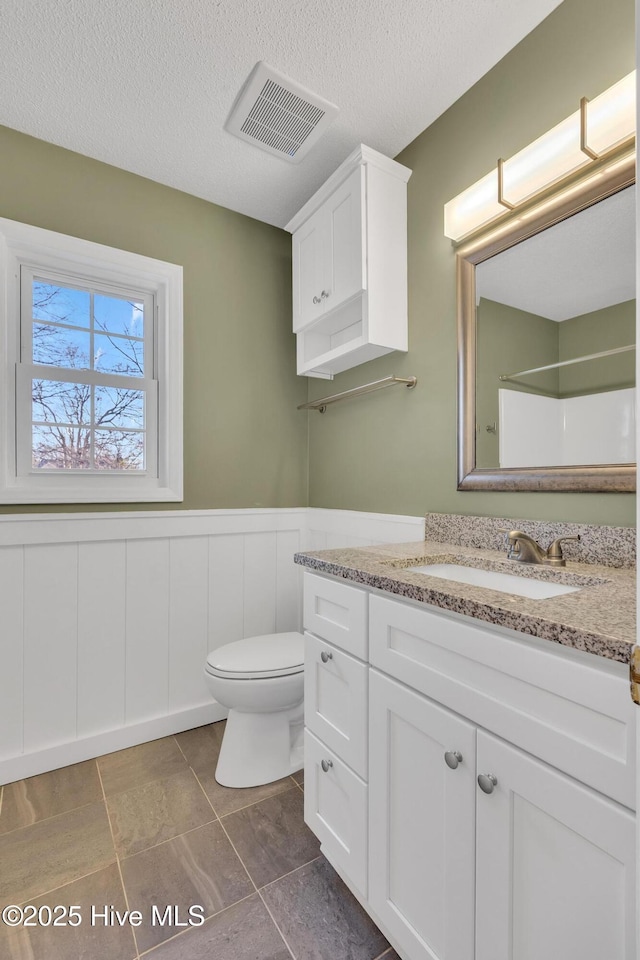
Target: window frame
x=27, y=249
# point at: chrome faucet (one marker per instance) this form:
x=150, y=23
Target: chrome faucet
x=525, y=549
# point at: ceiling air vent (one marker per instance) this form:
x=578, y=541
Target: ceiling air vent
x=276, y=114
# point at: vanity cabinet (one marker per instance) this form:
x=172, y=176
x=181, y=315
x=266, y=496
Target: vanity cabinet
x=350, y=266
x=336, y=725
x=498, y=790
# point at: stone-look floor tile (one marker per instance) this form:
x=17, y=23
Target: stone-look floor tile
x=199, y=868
x=271, y=837
x=82, y=942
x=243, y=932
x=298, y=777
x=226, y=800
x=157, y=811
x=390, y=955
x=136, y=766
x=201, y=745
x=53, y=852
x=320, y=919
x=37, y=798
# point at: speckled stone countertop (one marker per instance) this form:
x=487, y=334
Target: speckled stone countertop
x=599, y=618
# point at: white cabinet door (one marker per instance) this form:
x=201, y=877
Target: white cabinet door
x=421, y=823
x=555, y=874
x=329, y=259
x=311, y=265
x=335, y=808
x=347, y=256
x=335, y=701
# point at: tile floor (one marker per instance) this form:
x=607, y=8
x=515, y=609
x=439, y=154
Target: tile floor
x=149, y=826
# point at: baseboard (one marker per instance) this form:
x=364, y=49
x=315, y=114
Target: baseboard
x=64, y=754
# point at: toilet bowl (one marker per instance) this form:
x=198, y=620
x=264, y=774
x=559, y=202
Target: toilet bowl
x=261, y=681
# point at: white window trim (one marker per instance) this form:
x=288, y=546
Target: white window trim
x=42, y=250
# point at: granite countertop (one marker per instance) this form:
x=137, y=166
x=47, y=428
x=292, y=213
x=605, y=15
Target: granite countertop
x=599, y=618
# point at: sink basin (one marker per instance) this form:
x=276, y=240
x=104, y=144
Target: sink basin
x=494, y=580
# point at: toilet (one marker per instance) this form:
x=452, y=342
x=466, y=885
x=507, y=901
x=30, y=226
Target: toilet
x=261, y=681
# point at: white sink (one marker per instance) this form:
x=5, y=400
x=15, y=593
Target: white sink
x=505, y=582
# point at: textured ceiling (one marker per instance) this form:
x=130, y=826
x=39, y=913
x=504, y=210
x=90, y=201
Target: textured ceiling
x=582, y=264
x=147, y=86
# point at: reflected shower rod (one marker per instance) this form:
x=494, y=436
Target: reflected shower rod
x=567, y=363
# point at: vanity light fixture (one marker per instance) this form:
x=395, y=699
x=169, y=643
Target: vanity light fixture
x=598, y=128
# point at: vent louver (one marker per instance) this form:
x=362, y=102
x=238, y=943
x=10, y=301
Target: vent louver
x=278, y=115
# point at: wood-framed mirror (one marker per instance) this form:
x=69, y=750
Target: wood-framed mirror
x=546, y=341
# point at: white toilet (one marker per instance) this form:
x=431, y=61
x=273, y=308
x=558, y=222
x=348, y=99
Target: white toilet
x=261, y=681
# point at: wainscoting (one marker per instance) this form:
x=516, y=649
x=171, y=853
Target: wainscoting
x=106, y=619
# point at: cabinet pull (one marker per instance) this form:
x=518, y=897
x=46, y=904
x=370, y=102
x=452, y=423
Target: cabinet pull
x=452, y=758
x=487, y=781
x=326, y=765
x=325, y=657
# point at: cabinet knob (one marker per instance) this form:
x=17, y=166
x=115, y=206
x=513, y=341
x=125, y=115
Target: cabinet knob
x=325, y=294
x=487, y=781
x=326, y=765
x=452, y=758
x=317, y=300
x=326, y=656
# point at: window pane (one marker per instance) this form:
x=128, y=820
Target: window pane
x=116, y=315
x=60, y=448
x=119, y=408
x=60, y=347
x=58, y=304
x=119, y=450
x=58, y=402
x=118, y=355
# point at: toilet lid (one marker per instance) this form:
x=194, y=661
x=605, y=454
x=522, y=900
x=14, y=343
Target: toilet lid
x=270, y=655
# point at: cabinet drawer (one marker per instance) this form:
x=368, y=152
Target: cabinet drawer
x=335, y=808
x=337, y=613
x=335, y=701
x=553, y=703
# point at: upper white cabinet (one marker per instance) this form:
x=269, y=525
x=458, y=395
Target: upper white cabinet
x=350, y=266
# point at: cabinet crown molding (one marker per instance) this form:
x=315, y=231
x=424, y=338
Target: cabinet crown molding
x=362, y=155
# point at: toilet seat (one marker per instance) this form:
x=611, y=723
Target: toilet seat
x=263, y=657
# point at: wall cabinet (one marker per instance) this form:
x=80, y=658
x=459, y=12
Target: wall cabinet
x=480, y=846
x=350, y=266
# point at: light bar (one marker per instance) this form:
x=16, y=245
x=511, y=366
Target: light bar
x=600, y=126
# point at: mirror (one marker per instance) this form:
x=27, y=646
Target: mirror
x=546, y=344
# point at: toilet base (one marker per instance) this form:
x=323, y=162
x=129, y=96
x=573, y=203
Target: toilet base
x=259, y=748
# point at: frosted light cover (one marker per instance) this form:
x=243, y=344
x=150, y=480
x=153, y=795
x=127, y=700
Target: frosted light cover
x=610, y=121
x=549, y=158
x=475, y=205
x=611, y=117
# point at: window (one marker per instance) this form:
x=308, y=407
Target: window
x=92, y=382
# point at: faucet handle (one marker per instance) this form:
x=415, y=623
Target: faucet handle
x=554, y=551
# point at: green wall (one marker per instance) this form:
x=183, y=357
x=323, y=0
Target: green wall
x=601, y=330
x=395, y=451
x=509, y=340
x=245, y=443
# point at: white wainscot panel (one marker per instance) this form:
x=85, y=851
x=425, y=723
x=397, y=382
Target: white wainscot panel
x=50, y=644
x=260, y=556
x=226, y=589
x=11, y=650
x=188, y=621
x=107, y=618
x=147, y=686
x=101, y=636
x=288, y=582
